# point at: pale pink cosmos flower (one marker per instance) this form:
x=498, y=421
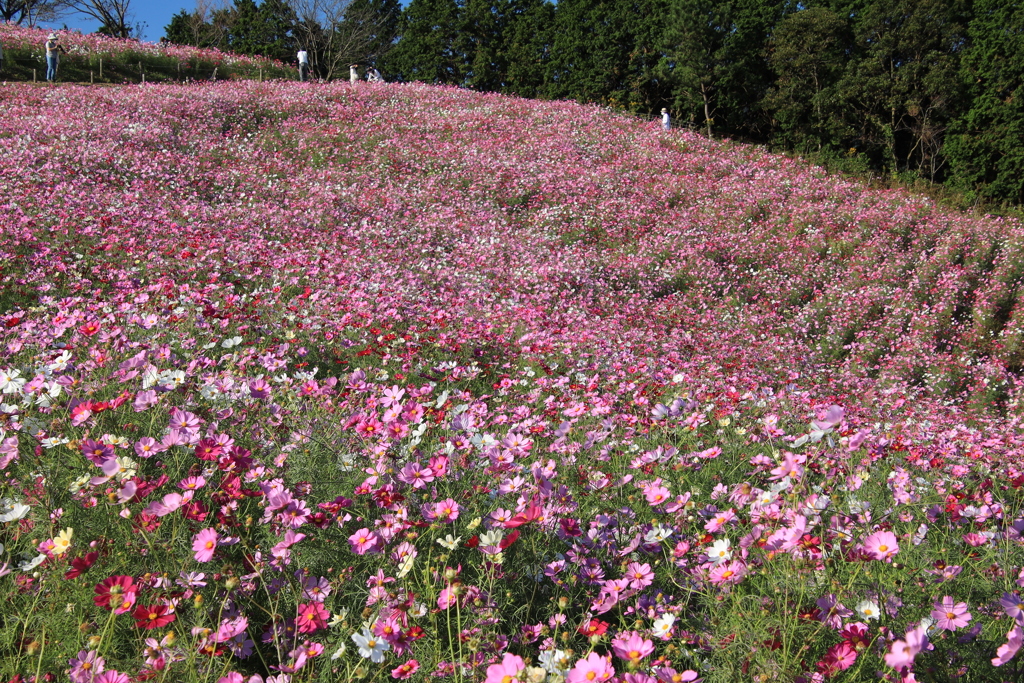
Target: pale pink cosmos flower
x=593, y=668
x=631, y=646
x=640, y=576
x=507, y=671
x=86, y=666
x=1009, y=649
x=881, y=545
x=205, y=544
x=950, y=616
x=902, y=653
x=728, y=573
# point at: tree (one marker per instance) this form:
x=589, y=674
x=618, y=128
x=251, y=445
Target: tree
x=527, y=46
x=375, y=22
x=265, y=29
x=808, y=53
x=716, y=54
x=697, y=57
x=28, y=11
x=605, y=51
x=337, y=33
x=207, y=26
x=115, y=16
x=430, y=46
x=986, y=143
x=903, y=87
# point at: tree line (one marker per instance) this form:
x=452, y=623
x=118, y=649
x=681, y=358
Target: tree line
x=918, y=89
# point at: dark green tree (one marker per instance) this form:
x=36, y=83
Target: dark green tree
x=903, y=87
x=808, y=53
x=527, y=46
x=430, y=46
x=697, y=59
x=986, y=143
x=266, y=29
x=606, y=51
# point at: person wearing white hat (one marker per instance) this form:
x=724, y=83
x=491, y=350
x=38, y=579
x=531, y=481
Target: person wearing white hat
x=666, y=121
x=353, y=73
x=53, y=50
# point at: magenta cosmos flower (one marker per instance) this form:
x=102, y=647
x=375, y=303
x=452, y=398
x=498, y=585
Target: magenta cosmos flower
x=949, y=616
x=506, y=672
x=205, y=544
x=311, y=617
x=881, y=545
x=593, y=668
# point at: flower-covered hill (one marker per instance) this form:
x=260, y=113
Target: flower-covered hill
x=98, y=58
x=265, y=345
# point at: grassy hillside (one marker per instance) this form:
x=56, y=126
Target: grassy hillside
x=495, y=384
x=95, y=58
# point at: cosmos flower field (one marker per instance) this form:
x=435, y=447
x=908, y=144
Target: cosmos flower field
x=305, y=382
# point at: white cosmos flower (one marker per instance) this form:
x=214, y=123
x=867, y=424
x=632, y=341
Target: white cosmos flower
x=371, y=646
x=720, y=551
x=29, y=565
x=662, y=627
x=449, y=542
x=11, y=510
x=868, y=609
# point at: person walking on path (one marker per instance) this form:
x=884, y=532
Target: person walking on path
x=666, y=121
x=303, y=65
x=53, y=50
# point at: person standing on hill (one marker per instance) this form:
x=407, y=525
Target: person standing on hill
x=53, y=50
x=666, y=121
x=1, y=56
x=353, y=73
x=303, y=65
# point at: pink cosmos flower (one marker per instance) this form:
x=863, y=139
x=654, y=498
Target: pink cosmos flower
x=640, y=575
x=445, y=511
x=1006, y=651
x=669, y=675
x=363, y=541
x=880, y=545
x=311, y=618
x=506, y=672
x=728, y=573
x=631, y=646
x=205, y=544
x=949, y=616
x=902, y=653
x=406, y=670
x=593, y=668
x=86, y=666
x=112, y=676
x=838, y=658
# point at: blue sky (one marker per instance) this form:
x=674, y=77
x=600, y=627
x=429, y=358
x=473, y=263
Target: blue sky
x=154, y=13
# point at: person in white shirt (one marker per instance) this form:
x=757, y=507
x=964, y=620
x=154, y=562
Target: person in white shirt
x=303, y=65
x=666, y=122
x=353, y=73
x=373, y=76
x=53, y=50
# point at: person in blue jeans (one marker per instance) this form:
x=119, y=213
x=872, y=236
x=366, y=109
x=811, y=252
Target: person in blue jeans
x=53, y=50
